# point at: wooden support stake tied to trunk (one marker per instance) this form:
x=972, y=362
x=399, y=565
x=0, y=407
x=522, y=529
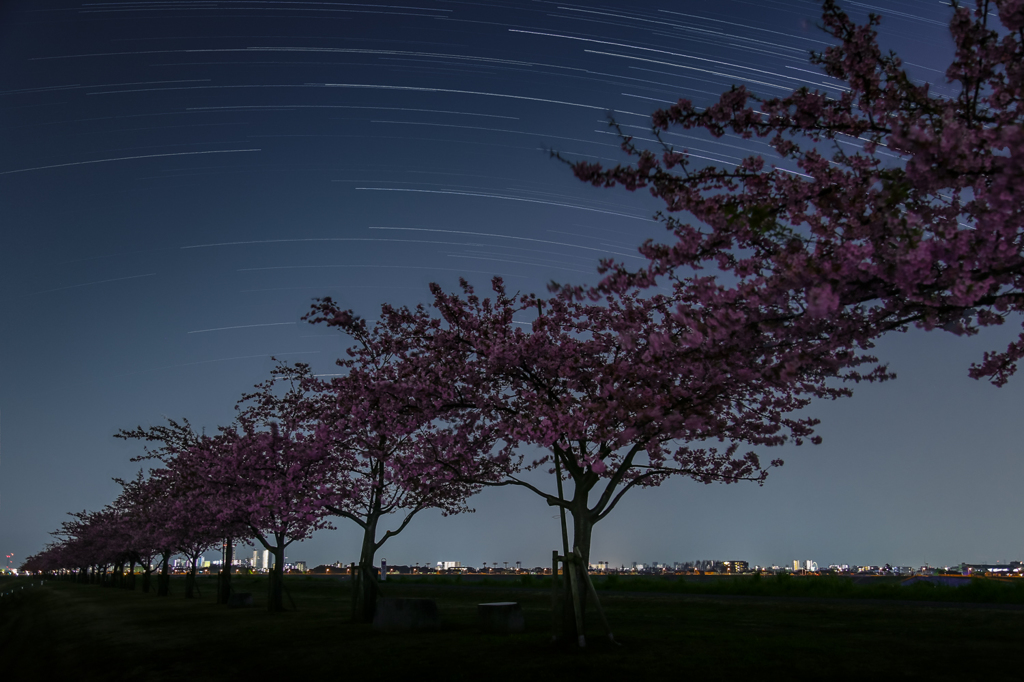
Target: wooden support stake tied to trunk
x=570, y=564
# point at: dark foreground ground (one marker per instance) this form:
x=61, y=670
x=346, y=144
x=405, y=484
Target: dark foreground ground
x=84, y=632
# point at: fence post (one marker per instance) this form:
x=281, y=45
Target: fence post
x=554, y=595
x=352, y=576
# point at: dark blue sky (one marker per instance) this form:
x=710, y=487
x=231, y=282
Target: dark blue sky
x=179, y=179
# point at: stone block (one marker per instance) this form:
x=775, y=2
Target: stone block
x=401, y=615
x=500, y=617
x=240, y=600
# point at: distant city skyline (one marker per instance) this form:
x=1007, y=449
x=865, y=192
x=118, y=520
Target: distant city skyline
x=726, y=566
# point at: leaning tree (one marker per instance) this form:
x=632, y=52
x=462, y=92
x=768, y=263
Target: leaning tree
x=908, y=207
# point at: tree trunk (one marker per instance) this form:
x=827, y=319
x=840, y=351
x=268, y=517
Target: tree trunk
x=163, y=582
x=366, y=589
x=582, y=531
x=147, y=572
x=190, y=577
x=275, y=596
x=131, y=575
x=224, y=584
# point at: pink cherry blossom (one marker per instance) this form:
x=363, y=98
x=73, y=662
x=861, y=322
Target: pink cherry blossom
x=912, y=211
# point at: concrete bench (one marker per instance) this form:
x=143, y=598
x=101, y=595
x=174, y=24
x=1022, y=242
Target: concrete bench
x=400, y=615
x=500, y=617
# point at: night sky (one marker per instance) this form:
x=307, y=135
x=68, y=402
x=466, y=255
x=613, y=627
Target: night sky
x=178, y=180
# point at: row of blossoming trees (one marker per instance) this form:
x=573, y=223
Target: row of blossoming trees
x=775, y=291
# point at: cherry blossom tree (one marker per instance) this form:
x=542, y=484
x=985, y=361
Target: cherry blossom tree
x=264, y=478
x=179, y=515
x=155, y=516
x=399, y=440
x=112, y=524
x=98, y=541
x=147, y=517
x=636, y=388
x=52, y=559
x=192, y=523
x=82, y=544
x=907, y=207
x=160, y=515
x=265, y=474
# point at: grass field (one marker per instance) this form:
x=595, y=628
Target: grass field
x=86, y=632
